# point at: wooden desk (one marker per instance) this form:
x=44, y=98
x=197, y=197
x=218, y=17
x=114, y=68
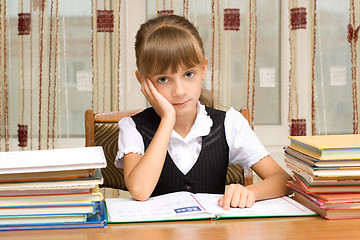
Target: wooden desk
x=254, y=228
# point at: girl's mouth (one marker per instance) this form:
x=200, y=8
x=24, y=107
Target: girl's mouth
x=181, y=104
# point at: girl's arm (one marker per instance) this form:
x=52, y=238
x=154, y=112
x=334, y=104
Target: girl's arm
x=274, y=179
x=272, y=185
x=141, y=173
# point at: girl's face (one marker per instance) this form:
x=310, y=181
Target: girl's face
x=182, y=88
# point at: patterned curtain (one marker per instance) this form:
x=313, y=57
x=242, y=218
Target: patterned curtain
x=30, y=47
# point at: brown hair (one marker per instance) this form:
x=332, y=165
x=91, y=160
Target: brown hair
x=167, y=42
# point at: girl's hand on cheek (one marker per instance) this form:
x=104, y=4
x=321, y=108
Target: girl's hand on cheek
x=237, y=195
x=161, y=105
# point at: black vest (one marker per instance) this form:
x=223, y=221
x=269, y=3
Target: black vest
x=208, y=175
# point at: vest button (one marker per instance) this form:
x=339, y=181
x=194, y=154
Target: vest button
x=188, y=188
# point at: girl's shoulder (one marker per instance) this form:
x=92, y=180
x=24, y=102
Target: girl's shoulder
x=147, y=117
x=230, y=113
x=147, y=113
x=214, y=111
x=230, y=116
x=235, y=118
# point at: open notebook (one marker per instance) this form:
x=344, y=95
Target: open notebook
x=189, y=206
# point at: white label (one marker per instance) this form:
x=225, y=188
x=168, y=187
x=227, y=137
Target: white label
x=84, y=81
x=337, y=75
x=267, y=77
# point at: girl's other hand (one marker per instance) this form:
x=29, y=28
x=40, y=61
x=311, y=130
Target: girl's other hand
x=161, y=105
x=236, y=195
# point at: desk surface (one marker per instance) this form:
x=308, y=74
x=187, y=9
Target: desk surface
x=252, y=228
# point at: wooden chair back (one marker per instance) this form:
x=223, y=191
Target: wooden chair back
x=101, y=129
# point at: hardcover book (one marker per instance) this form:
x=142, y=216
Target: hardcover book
x=95, y=219
x=301, y=184
x=321, y=163
x=52, y=160
x=323, y=171
x=316, y=180
x=328, y=147
x=327, y=212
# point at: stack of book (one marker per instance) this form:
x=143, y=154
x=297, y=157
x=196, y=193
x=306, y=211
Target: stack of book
x=326, y=172
x=51, y=189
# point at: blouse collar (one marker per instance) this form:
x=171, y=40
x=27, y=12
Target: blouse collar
x=201, y=127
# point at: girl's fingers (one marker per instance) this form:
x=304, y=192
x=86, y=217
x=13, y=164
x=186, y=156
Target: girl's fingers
x=251, y=199
x=221, y=201
x=228, y=197
x=236, y=195
x=151, y=91
x=243, y=199
x=151, y=87
x=145, y=89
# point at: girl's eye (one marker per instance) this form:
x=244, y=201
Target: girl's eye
x=189, y=74
x=162, y=80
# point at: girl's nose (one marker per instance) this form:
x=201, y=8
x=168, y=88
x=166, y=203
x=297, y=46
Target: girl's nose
x=179, y=88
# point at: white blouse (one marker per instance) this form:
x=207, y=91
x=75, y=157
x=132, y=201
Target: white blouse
x=244, y=146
